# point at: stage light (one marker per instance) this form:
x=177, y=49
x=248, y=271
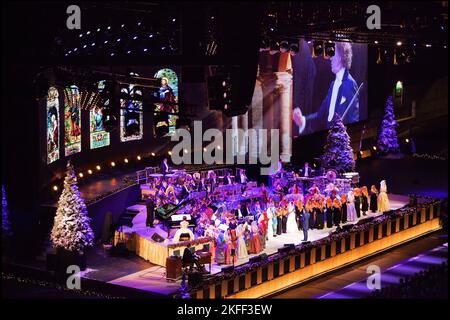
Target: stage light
x=314, y=165
x=88, y=32
x=81, y=35
x=169, y=153
x=138, y=157
x=224, y=83
x=125, y=160
x=75, y=49
x=113, y=164
x=374, y=148
x=150, y=36
x=108, y=28
x=224, y=94
x=90, y=171
x=112, y=54
x=407, y=140
x=428, y=45
x=84, y=47
x=185, y=151
x=173, y=20
x=376, y=42
x=204, y=149
x=135, y=37
x=225, y=106
x=118, y=40
x=98, y=167
x=129, y=51
x=145, y=50
x=153, y=154
x=55, y=188
x=80, y=175
x=92, y=44
x=399, y=43
x=122, y=25
x=361, y=152
x=106, y=41
x=139, y=23
x=98, y=30
x=219, y=147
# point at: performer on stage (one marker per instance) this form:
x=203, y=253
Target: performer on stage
x=340, y=94
x=364, y=200
x=351, y=211
x=227, y=179
x=383, y=200
x=255, y=240
x=220, y=247
x=242, y=248
x=358, y=200
x=343, y=208
x=329, y=211
x=242, y=177
x=306, y=171
x=184, y=229
x=284, y=214
x=373, y=199
x=189, y=258
x=303, y=215
x=279, y=214
x=291, y=225
x=164, y=167
x=231, y=246
x=336, y=211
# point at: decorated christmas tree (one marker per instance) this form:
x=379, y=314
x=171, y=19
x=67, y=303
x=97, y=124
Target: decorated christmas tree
x=6, y=226
x=387, y=140
x=71, y=229
x=338, y=154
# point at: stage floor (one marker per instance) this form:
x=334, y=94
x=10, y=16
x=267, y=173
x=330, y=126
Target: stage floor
x=153, y=279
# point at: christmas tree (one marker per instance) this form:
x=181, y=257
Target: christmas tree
x=338, y=154
x=71, y=230
x=6, y=227
x=387, y=140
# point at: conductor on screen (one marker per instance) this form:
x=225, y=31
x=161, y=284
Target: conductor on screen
x=340, y=94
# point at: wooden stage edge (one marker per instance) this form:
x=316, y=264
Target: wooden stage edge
x=343, y=260
x=285, y=270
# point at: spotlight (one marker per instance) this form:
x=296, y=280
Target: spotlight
x=376, y=42
x=55, y=188
x=224, y=83
x=125, y=160
x=399, y=43
x=113, y=164
x=88, y=32
x=90, y=171
x=219, y=147
x=185, y=151
x=407, y=140
x=153, y=154
x=361, y=152
x=225, y=95
x=98, y=30
x=118, y=40
x=169, y=153
x=122, y=25
x=98, y=167
x=374, y=148
x=428, y=45
x=108, y=28
x=138, y=157
x=204, y=149
x=80, y=175
x=135, y=37
x=105, y=42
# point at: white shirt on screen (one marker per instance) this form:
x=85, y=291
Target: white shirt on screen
x=335, y=90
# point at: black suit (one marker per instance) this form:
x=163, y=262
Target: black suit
x=304, y=170
x=227, y=180
x=347, y=90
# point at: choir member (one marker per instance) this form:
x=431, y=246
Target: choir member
x=358, y=200
x=373, y=199
x=364, y=200
x=343, y=208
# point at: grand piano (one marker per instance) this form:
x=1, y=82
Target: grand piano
x=171, y=215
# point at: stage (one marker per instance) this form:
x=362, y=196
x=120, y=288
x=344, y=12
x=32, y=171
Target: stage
x=153, y=278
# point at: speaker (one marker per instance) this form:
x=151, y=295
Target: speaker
x=255, y=259
x=157, y=238
x=228, y=269
x=263, y=256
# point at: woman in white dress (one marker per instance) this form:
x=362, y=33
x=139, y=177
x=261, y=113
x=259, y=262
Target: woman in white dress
x=242, y=247
x=270, y=214
x=291, y=224
x=383, y=200
x=351, y=211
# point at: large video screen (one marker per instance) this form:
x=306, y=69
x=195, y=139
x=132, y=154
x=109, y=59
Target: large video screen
x=328, y=78
x=167, y=109
x=52, y=125
x=72, y=120
x=131, y=114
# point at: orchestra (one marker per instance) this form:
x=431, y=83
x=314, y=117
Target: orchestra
x=242, y=217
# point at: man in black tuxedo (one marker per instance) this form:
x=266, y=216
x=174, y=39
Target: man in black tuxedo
x=340, y=94
x=164, y=167
x=306, y=171
x=227, y=179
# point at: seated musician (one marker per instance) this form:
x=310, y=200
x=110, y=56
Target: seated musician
x=211, y=180
x=184, y=230
x=189, y=258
